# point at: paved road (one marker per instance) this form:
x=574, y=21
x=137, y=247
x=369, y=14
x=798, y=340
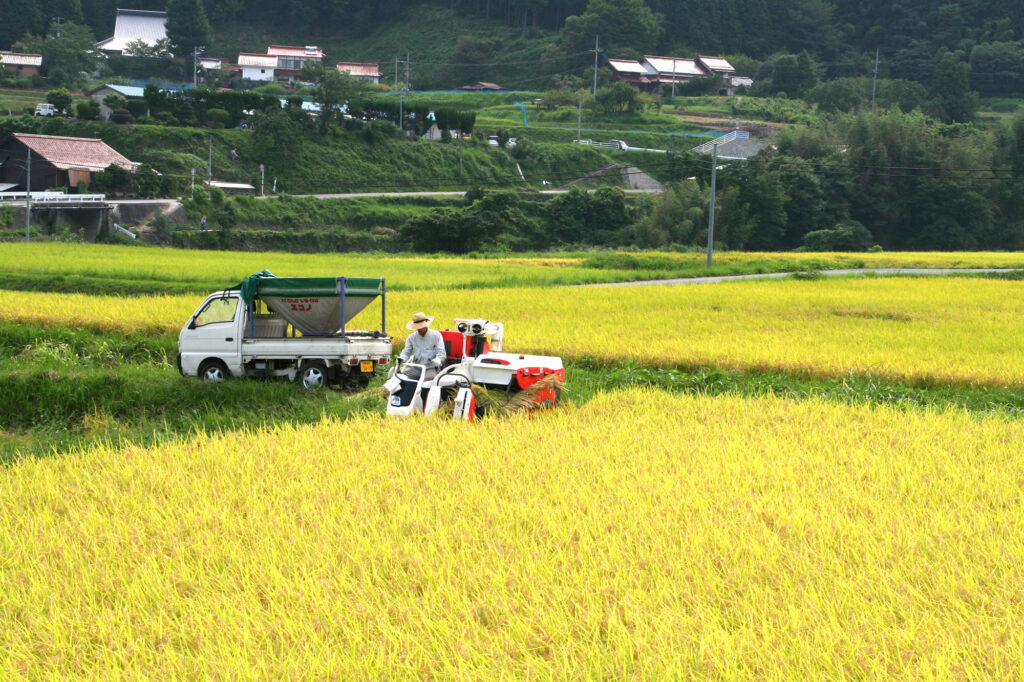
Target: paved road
x=357, y=195
x=776, y=275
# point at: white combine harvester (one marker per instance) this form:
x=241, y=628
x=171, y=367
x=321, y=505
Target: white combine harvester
x=477, y=379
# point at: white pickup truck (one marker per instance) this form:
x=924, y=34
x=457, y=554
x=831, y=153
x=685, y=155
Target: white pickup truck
x=286, y=327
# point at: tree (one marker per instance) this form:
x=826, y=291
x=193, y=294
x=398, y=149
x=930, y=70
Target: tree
x=953, y=99
x=624, y=26
x=68, y=60
x=61, y=99
x=187, y=27
x=334, y=90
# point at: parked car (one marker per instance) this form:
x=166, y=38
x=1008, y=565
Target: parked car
x=619, y=144
x=46, y=109
x=493, y=141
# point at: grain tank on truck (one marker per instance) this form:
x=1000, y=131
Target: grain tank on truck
x=291, y=327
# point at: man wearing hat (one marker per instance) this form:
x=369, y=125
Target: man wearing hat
x=423, y=347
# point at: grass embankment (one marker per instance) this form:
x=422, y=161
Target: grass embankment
x=639, y=536
x=63, y=388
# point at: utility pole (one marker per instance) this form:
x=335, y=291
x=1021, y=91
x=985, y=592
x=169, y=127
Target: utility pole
x=58, y=21
x=209, y=163
x=673, y=78
x=28, y=197
x=195, y=66
x=579, y=121
x=596, y=50
x=396, y=72
x=711, y=213
x=874, y=81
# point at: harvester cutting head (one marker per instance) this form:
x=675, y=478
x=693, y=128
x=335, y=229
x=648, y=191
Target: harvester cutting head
x=478, y=379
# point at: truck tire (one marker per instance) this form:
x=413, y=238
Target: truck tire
x=213, y=371
x=312, y=376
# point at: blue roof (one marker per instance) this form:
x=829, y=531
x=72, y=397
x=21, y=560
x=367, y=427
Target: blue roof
x=127, y=90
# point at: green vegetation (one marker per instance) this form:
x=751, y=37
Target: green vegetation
x=65, y=388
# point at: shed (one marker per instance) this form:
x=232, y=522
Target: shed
x=256, y=66
x=56, y=161
x=362, y=71
x=482, y=86
x=20, y=63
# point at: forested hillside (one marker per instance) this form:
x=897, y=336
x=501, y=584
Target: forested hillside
x=841, y=36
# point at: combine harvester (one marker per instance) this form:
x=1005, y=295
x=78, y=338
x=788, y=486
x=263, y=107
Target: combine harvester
x=478, y=379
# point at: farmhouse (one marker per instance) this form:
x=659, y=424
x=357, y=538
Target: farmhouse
x=135, y=24
x=281, y=63
x=56, y=161
x=653, y=73
x=633, y=72
x=21, y=64
x=361, y=71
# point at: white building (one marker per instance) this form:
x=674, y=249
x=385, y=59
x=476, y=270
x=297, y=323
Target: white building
x=257, y=67
x=132, y=25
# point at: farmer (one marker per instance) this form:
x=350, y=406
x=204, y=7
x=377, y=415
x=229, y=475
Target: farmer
x=423, y=347
x=203, y=222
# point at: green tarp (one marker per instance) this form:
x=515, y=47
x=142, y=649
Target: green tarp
x=312, y=304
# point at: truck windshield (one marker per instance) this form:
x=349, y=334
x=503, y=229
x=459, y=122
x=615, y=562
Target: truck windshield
x=217, y=310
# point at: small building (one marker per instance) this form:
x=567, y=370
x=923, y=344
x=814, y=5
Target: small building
x=482, y=86
x=717, y=66
x=731, y=84
x=127, y=91
x=633, y=72
x=135, y=24
x=256, y=66
x=674, y=70
x=212, y=63
x=56, y=161
x=21, y=64
x=361, y=71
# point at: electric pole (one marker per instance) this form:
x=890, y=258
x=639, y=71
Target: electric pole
x=711, y=213
x=874, y=81
x=28, y=196
x=58, y=21
x=579, y=121
x=673, y=78
x=596, y=50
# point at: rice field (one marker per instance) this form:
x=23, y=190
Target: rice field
x=637, y=535
x=919, y=330
x=732, y=538
x=203, y=271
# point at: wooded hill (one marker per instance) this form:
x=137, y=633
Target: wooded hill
x=841, y=35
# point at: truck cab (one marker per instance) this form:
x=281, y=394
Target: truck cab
x=258, y=332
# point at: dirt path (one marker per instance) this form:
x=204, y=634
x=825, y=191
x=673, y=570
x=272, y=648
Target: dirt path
x=826, y=273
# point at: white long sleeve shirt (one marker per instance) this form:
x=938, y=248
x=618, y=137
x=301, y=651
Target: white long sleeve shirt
x=424, y=349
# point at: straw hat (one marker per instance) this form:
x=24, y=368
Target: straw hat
x=419, y=321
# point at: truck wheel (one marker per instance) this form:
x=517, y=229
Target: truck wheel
x=313, y=375
x=213, y=371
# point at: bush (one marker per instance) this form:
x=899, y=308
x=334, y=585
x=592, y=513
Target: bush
x=122, y=116
x=217, y=118
x=88, y=110
x=846, y=236
x=165, y=118
x=137, y=107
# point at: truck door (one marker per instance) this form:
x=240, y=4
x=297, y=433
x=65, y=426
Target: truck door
x=215, y=333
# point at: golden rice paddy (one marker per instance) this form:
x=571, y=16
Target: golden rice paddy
x=920, y=330
x=640, y=536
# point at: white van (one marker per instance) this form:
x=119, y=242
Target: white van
x=45, y=109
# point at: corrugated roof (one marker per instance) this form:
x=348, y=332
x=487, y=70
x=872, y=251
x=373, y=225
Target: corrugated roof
x=18, y=58
x=263, y=61
x=716, y=64
x=669, y=66
x=631, y=66
x=135, y=24
x=67, y=153
x=292, y=51
x=129, y=91
x=360, y=69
